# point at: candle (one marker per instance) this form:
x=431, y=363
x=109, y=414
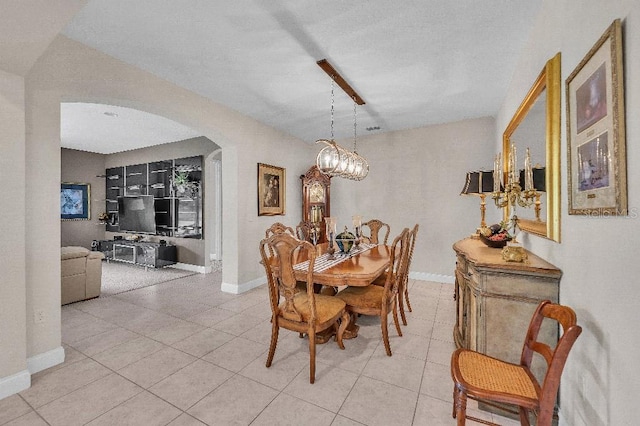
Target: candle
x=528, y=172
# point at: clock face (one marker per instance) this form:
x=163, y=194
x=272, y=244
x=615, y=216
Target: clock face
x=316, y=193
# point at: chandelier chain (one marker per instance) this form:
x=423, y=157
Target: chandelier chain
x=332, y=103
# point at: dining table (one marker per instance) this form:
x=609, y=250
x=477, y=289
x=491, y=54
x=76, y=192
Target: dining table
x=359, y=267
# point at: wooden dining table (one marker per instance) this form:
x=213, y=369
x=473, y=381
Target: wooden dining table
x=355, y=270
x=359, y=269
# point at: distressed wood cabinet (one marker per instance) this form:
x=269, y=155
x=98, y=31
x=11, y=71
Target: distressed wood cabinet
x=495, y=300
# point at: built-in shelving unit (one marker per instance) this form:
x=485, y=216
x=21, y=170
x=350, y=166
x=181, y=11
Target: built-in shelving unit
x=176, y=186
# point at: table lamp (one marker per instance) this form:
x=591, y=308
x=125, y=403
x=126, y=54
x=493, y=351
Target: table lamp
x=479, y=183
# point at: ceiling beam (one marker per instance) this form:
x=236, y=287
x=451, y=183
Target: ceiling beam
x=331, y=71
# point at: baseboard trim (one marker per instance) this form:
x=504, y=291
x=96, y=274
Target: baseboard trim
x=191, y=268
x=426, y=276
x=15, y=383
x=241, y=288
x=45, y=360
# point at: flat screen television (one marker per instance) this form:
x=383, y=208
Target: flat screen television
x=137, y=214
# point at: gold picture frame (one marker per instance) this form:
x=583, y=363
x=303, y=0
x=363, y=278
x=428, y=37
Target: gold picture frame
x=596, y=147
x=271, y=190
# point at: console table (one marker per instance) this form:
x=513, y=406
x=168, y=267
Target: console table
x=147, y=254
x=495, y=300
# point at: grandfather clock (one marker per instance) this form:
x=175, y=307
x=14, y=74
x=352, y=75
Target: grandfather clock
x=316, y=199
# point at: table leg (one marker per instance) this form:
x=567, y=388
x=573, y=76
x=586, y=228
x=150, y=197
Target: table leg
x=352, y=329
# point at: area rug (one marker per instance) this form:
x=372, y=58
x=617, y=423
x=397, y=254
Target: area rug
x=119, y=277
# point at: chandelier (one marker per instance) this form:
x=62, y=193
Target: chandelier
x=333, y=160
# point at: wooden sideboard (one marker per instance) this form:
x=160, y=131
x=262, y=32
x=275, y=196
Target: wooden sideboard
x=495, y=300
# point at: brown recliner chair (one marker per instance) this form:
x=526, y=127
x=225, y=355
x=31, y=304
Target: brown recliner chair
x=81, y=274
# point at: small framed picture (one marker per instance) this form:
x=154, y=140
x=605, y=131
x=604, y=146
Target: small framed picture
x=271, y=190
x=75, y=201
x=596, y=130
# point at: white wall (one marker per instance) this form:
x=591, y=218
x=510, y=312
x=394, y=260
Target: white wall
x=416, y=177
x=597, y=254
x=13, y=332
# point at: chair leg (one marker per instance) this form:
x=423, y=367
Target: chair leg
x=344, y=322
x=459, y=406
x=524, y=416
x=401, y=305
x=312, y=356
x=395, y=319
x=274, y=341
x=385, y=333
x=406, y=298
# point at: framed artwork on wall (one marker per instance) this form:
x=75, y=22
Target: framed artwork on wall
x=75, y=201
x=597, y=173
x=271, y=190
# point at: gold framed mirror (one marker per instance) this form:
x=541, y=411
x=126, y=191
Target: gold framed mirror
x=536, y=125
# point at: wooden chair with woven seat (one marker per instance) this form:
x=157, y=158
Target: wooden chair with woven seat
x=403, y=291
x=304, y=312
x=380, y=300
x=483, y=378
x=375, y=226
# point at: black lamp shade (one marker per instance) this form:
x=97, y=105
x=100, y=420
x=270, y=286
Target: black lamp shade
x=478, y=183
x=539, y=179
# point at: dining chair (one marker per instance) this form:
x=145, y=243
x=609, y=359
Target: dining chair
x=379, y=300
x=403, y=292
x=304, y=312
x=279, y=228
x=375, y=226
x=492, y=381
x=303, y=231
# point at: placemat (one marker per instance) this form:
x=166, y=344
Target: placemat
x=323, y=262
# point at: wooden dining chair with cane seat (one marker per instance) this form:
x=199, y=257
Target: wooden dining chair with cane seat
x=375, y=236
x=380, y=300
x=304, y=312
x=492, y=381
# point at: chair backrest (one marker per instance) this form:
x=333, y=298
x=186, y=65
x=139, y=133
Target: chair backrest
x=277, y=228
x=303, y=231
x=395, y=272
x=375, y=226
x=412, y=242
x=280, y=274
x=554, y=357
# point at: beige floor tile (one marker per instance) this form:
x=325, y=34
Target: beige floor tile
x=246, y=301
x=143, y=409
x=92, y=326
x=355, y=355
x=186, y=420
x=175, y=332
x=442, y=332
x=89, y=402
x=433, y=412
x=408, y=344
x=446, y=312
x=157, y=366
x=182, y=309
x=283, y=370
x=103, y=341
x=30, y=419
x=373, y=402
x=203, y=342
x=70, y=356
x=145, y=324
x=190, y=384
x=440, y=352
x=343, y=421
x=62, y=381
x=331, y=387
x=236, y=402
x=261, y=333
x=120, y=356
x=211, y=316
x=287, y=410
x=237, y=354
x=417, y=326
x=437, y=382
x=398, y=369
x=12, y=407
x=237, y=324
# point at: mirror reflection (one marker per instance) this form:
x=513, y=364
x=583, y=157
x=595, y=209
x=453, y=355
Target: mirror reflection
x=536, y=125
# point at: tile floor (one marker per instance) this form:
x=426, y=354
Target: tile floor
x=183, y=353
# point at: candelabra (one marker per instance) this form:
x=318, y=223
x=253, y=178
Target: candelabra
x=512, y=193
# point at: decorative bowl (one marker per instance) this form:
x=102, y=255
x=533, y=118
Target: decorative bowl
x=345, y=241
x=494, y=243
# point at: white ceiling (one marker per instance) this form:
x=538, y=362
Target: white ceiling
x=415, y=63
